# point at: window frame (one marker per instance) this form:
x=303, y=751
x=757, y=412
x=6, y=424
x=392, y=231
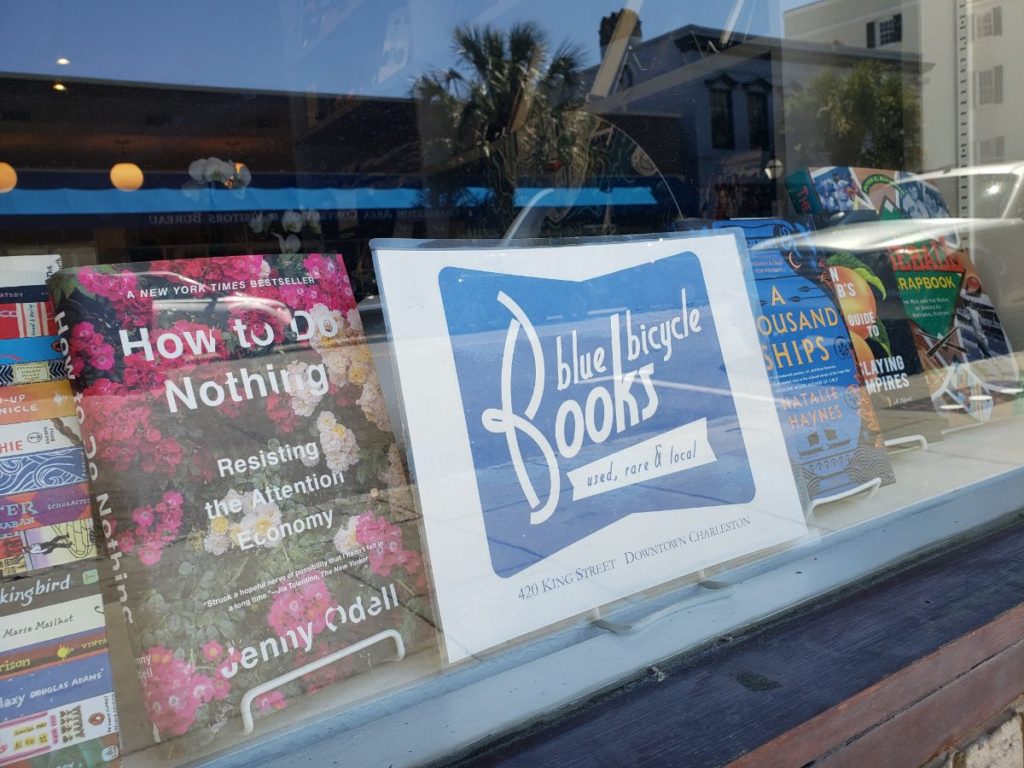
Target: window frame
x=722, y=117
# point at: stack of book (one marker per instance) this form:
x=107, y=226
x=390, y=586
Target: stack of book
x=56, y=692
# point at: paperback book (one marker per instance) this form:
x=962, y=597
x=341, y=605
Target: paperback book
x=833, y=435
x=966, y=356
x=885, y=345
x=255, y=504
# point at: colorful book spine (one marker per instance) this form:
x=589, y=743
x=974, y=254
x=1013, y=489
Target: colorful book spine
x=34, y=436
x=14, y=374
x=32, y=349
x=55, y=673
x=26, y=319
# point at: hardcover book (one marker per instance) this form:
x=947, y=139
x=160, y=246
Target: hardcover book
x=256, y=507
x=834, y=439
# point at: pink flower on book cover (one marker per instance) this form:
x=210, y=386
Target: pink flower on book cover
x=332, y=279
x=271, y=700
x=279, y=411
x=124, y=434
x=383, y=542
x=155, y=528
x=122, y=290
x=212, y=650
x=142, y=374
x=298, y=605
x=173, y=691
x=159, y=454
x=143, y=516
x=89, y=347
x=303, y=297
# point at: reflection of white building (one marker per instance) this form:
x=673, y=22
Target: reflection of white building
x=997, y=69
x=965, y=120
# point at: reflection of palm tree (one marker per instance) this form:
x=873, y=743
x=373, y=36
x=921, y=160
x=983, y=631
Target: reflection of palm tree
x=506, y=101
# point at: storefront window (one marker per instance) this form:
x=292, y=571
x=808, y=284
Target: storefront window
x=358, y=356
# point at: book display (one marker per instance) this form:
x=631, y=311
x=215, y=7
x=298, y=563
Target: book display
x=261, y=532
x=622, y=417
x=927, y=292
x=417, y=384
x=833, y=433
x=56, y=686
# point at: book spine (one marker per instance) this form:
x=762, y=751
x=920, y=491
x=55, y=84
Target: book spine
x=66, y=318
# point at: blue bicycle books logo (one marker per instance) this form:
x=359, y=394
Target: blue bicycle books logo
x=586, y=402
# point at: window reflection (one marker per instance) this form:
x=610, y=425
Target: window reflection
x=316, y=126
x=480, y=119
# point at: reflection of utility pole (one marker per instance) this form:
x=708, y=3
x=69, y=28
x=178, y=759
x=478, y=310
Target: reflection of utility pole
x=614, y=59
x=963, y=104
x=730, y=24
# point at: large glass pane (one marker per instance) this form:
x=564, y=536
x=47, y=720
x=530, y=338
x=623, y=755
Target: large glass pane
x=235, y=160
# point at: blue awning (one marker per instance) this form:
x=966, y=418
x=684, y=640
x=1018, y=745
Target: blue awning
x=68, y=201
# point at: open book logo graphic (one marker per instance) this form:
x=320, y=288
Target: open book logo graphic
x=586, y=402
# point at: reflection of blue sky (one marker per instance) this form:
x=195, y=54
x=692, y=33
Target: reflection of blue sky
x=331, y=46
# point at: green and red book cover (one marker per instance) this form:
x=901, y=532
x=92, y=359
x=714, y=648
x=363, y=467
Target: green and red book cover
x=246, y=476
x=963, y=349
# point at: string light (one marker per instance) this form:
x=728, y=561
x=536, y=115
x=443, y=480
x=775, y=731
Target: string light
x=8, y=178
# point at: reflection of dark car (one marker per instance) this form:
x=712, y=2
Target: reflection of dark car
x=200, y=302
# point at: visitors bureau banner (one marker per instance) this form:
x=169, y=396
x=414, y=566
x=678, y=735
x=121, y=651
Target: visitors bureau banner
x=584, y=422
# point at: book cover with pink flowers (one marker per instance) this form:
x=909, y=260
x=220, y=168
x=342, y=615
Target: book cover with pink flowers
x=255, y=503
